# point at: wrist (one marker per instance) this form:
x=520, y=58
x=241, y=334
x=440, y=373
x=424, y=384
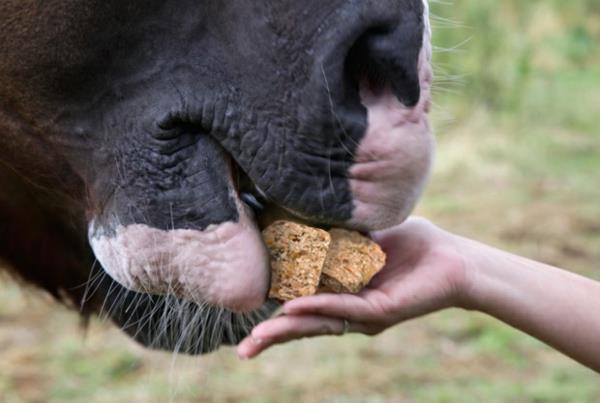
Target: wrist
x=477, y=261
x=492, y=277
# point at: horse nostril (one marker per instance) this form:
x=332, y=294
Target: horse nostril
x=389, y=56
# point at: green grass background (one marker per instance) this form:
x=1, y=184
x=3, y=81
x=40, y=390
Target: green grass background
x=517, y=118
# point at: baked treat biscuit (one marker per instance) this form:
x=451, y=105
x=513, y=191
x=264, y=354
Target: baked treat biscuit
x=297, y=255
x=352, y=261
x=306, y=260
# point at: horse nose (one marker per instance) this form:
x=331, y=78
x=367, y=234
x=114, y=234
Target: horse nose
x=372, y=45
x=388, y=55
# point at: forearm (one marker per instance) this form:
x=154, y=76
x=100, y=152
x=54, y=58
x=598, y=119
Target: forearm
x=558, y=307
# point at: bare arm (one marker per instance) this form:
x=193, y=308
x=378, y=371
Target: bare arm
x=429, y=269
x=558, y=307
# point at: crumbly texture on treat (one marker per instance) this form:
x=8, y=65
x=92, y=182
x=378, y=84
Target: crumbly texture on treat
x=306, y=260
x=297, y=255
x=352, y=261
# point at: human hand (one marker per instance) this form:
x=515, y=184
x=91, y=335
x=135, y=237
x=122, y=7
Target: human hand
x=424, y=272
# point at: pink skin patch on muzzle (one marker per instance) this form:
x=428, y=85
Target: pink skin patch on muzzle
x=393, y=161
x=225, y=265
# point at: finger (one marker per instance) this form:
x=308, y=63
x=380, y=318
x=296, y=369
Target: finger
x=355, y=308
x=287, y=328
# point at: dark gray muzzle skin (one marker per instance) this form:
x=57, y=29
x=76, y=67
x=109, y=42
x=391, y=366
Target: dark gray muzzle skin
x=132, y=112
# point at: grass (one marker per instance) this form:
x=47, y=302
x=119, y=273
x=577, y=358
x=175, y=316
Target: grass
x=518, y=165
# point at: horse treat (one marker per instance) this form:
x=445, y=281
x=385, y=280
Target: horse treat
x=306, y=260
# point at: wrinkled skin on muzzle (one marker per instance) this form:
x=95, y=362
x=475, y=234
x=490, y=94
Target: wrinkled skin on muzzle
x=137, y=132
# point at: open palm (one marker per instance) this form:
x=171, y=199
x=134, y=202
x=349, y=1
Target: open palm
x=424, y=273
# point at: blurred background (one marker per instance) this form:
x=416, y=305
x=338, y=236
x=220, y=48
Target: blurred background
x=517, y=117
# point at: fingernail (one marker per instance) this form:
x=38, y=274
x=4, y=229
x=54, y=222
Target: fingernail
x=256, y=341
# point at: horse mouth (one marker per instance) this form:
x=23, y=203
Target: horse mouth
x=264, y=210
